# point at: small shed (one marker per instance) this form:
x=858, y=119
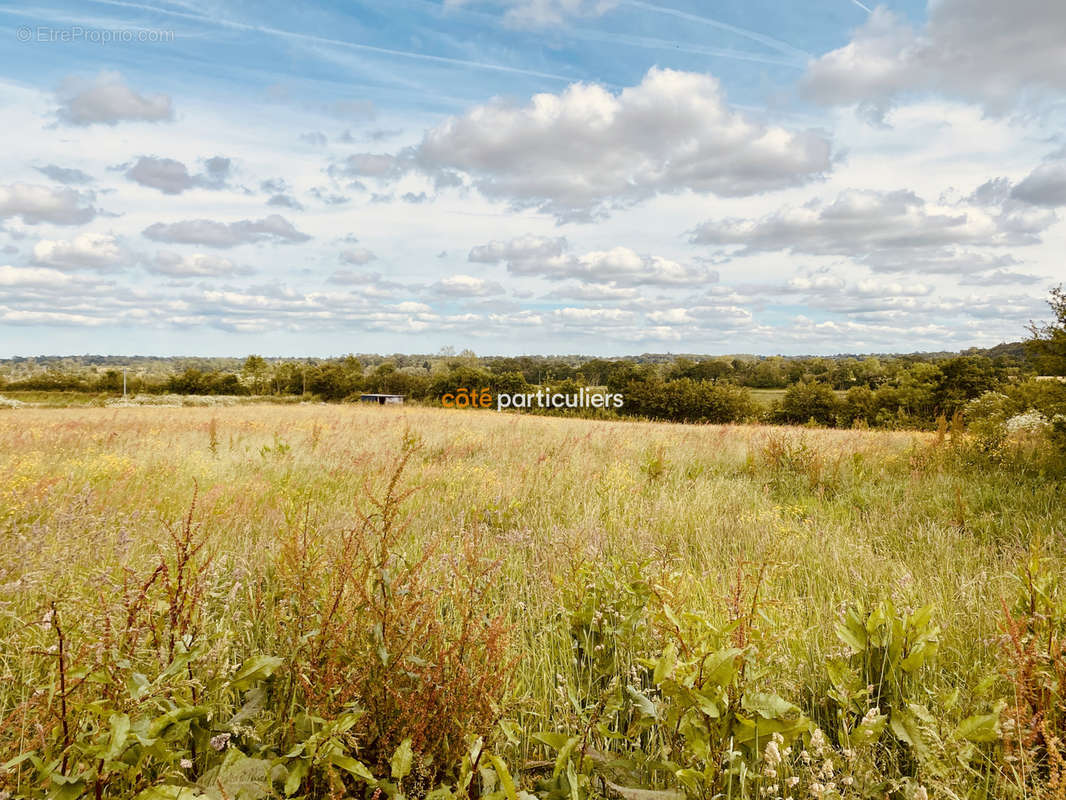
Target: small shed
x=382, y=399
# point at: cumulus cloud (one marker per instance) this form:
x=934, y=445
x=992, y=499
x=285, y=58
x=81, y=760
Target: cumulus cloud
x=107, y=100
x=176, y=265
x=286, y=200
x=35, y=278
x=546, y=257
x=985, y=50
x=357, y=256
x=36, y=204
x=999, y=277
x=100, y=251
x=1044, y=186
x=211, y=233
x=522, y=248
x=65, y=174
x=173, y=177
x=582, y=152
x=328, y=197
x=891, y=231
x=593, y=292
x=369, y=165
x=466, y=286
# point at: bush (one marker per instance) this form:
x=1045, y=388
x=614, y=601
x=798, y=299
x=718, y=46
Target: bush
x=687, y=400
x=809, y=401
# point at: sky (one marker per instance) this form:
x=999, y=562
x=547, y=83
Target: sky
x=606, y=177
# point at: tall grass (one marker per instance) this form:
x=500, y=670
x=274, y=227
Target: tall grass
x=539, y=570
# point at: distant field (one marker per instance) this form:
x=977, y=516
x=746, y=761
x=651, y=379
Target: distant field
x=607, y=546
x=764, y=397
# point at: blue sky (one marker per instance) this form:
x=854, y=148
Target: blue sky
x=529, y=176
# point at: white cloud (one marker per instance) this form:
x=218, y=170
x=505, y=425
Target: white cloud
x=36, y=204
x=35, y=277
x=211, y=233
x=172, y=177
x=357, y=256
x=1044, y=186
x=106, y=99
x=522, y=248
x=582, y=152
x=100, y=251
x=986, y=50
x=67, y=175
x=195, y=265
x=890, y=231
x=618, y=267
x=466, y=286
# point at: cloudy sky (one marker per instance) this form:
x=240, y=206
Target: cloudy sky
x=529, y=176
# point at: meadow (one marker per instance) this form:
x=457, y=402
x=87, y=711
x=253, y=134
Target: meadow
x=337, y=600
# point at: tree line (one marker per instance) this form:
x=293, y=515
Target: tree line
x=898, y=391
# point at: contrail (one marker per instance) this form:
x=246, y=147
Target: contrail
x=769, y=41
x=682, y=47
x=864, y=7
x=632, y=40
x=307, y=37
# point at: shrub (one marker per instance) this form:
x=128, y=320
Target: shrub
x=806, y=401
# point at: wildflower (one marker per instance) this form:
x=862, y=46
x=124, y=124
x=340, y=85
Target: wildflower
x=817, y=791
x=220, y=742
x=818, y=742
x=790, y=782
x=772, y=754
x=186, y=763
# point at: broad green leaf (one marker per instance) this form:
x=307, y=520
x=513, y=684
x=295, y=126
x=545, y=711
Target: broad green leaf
x=631, y=793
x=161, y=723
x=297, y=772
x=562, y=760
x=353, y=766
x=906, y=728
x=17, y=760
x=255, y=669
x=120, y=728
x=646, y=706
x=852, y=632
x=665, y=666
x=720, y=667
x=401, y=760
x=979, y=728
x=770, y=706
x=506, y=781
x=168, y=793
x=66, y=791
x=241, y=777
x=554, y=739
x=510, y=730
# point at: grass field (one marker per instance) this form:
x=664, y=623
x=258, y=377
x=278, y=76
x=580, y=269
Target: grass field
x=561, y=589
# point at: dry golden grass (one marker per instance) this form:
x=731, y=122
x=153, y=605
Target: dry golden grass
x=842, y=515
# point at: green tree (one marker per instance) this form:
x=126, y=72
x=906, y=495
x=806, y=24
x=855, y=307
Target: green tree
x=1048, y=342
x=255, y=369
x=808, y=400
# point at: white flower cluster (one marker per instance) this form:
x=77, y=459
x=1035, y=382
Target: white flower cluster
x=1029, y=422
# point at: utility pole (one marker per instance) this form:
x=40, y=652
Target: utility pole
x=123, y=383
